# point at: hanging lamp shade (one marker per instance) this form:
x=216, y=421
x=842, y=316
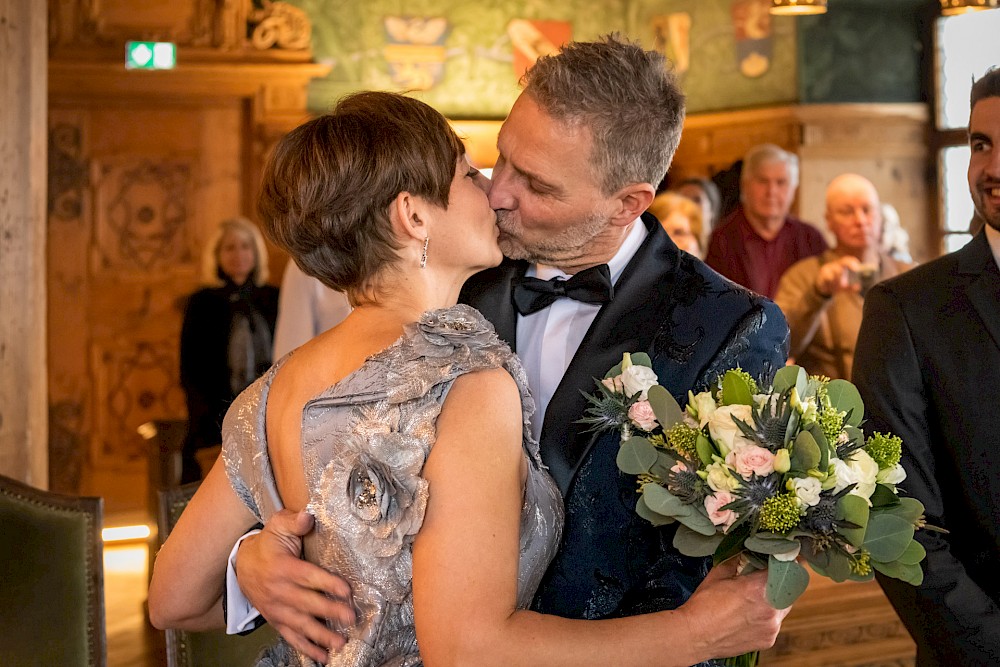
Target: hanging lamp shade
x=952, y=7
x=802, y=7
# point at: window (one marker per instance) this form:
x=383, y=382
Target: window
x=966, y=47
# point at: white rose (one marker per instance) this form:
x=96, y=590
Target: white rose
x=861, y=470
x=704, y=406
x=893, y=475
x=726, y=434
x=806, y=490
x=637, y=380
x=720, y=479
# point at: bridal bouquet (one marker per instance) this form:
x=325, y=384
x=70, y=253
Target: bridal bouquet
x=779, y=477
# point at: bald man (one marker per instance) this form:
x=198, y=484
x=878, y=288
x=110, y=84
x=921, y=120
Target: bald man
x=823, y=296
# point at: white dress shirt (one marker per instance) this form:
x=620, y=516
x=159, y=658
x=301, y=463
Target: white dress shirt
x=548, y=339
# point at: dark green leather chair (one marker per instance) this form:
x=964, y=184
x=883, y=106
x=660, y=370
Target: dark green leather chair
x=204, y=649
x=51, y=578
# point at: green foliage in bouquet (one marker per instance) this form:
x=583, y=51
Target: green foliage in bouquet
x=781, y=478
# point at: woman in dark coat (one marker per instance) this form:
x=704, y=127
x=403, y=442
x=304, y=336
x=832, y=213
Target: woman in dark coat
x=226, y=335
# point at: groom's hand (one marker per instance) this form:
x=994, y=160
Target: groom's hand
x=750, y=622
x=295, y=596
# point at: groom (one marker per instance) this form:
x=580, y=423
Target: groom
x=581, y=152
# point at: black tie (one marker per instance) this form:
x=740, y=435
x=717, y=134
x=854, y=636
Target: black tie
x=591, y=285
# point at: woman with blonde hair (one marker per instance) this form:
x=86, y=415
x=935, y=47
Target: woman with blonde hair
x=226, y=334
x=681, y=219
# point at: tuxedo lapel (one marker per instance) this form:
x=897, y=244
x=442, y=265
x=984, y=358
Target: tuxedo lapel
x=626, y=324
x=984, y=289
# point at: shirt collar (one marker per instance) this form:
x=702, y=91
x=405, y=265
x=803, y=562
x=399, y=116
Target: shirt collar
x=993, y=236
x=617, y=264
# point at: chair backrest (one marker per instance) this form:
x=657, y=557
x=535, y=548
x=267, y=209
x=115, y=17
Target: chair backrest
x=51, y=578
x=204, y=649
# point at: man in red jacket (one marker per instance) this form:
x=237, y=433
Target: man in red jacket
x=757, y=243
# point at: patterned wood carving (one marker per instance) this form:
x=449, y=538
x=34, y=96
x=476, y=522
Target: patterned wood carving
x=279, y=24
x=144, y=206
x=226, y=25
x=138, y=382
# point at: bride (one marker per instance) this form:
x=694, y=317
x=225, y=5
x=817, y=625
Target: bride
x=404, y=430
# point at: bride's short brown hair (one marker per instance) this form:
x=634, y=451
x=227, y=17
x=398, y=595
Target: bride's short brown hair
x=327, y=187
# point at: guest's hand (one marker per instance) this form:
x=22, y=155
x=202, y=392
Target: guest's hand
x=729, y=615
x=838, y=276
x=292, y=594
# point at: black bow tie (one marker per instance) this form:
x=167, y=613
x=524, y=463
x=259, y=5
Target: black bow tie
x=592, y=285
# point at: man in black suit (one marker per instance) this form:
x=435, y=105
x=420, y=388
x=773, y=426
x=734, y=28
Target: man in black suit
x=589, y=277
x=927, y=366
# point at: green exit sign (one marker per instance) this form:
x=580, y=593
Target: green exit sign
x=150, y=55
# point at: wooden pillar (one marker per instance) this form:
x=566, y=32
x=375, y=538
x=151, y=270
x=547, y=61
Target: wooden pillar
x=23, y=387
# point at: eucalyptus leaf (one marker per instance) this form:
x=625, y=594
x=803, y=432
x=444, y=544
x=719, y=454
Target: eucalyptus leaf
x=854, y=509
x=913, y=554
x=732, y=542
x=665, y=407
x=615, y=371
x=887, y=537
x=649, y=515
x=854, y=434
x=793, y=426
x=692, y=543
x=838, y=568
x=705, y=449
x=788, y=377
x=735, y=390
x=770, y=545
x=911, y=574
x=844, y=397
x=663, y=502
x=641, y=359
x=786, y=581
x=908, y=509
x=805, y=453
x=816, y=431
x=636, y=456
x=883, y=497
x=698, y=522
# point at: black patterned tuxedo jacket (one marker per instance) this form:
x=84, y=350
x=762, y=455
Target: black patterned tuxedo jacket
x=928, y=367
x=695, y=325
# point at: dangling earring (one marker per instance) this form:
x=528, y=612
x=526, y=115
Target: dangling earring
x=423, y=256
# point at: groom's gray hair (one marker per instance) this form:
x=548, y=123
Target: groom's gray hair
x=626, y=96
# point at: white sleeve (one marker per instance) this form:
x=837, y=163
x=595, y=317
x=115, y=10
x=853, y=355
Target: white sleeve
x=296, y=320
x=240, y=614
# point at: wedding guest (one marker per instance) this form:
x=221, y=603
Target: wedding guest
x=927, y=365
x=823, y=296
x=681, y=219
x=704, y=193
x=576, y=171
x=226, y=334
x=895, y=240
x=306, y=308
x=757, y=243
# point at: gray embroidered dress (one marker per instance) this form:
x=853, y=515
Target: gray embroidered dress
x=364, y=444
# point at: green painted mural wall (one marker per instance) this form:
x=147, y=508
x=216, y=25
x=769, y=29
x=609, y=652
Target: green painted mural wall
x=476, y=72
x=860, y=51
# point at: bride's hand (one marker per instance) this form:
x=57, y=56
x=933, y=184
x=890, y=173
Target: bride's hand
x=737, y=611
x=292, y=594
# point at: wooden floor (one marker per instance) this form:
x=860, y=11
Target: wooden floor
x=132, y=641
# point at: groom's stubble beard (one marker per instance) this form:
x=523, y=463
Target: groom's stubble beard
x=562, y=248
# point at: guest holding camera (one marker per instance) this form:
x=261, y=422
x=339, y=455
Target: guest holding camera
x=823, y=296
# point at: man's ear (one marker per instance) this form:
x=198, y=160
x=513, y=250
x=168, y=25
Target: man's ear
x=632, y=200
x=408, y=218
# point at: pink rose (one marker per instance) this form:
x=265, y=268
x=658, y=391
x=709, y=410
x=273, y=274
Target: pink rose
x=641, y=414
x=614, y=384
x=717, y=516
x=751, y=459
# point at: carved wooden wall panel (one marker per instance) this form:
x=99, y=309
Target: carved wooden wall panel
x=138, y=187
